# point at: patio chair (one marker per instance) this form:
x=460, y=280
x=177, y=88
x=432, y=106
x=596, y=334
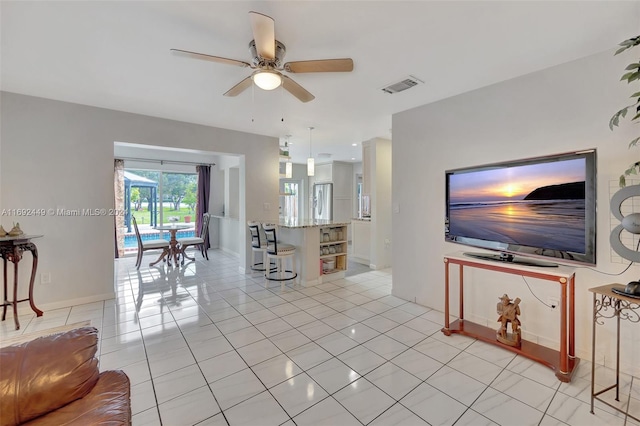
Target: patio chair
x=202, y=241
x=150, y=245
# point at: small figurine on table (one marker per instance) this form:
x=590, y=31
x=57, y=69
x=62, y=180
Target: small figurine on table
x=508, y=312
x=15, y=231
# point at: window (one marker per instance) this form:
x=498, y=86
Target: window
x=289, y=199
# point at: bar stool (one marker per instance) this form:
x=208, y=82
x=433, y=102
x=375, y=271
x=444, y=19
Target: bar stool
x=278, y=253
x=257, y=246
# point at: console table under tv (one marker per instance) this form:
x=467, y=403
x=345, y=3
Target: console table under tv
x=564, y=361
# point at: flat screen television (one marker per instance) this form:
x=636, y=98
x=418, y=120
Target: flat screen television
x=530, y=209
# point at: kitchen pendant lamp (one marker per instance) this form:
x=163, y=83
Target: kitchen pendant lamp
x=288, y=165
x=288, y=169
x=310, y=162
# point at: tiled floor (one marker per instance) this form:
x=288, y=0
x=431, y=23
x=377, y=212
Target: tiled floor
x=204, y=344
x=355, y=268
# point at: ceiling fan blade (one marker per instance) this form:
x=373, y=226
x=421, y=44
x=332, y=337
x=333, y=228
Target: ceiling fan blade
x=321, y=65
x=264, y=34
x=296, y=90
x=212, y=58
x=240, y=87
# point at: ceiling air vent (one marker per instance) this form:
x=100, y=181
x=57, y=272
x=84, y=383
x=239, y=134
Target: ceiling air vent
x=401, y=86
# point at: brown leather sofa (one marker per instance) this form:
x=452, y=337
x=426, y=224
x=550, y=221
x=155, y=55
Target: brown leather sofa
x=54, y=380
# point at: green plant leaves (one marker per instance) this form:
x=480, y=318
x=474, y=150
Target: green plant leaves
x=631, y=76
x=631, y=42
x=615, y=120
x=632, y=170
x=628, y=44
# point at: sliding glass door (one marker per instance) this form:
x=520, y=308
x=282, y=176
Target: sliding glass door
x=155, y=198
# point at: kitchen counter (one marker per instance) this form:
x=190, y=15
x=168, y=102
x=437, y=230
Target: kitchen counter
x=312, y=252
x=362, y=219
x=309, y=223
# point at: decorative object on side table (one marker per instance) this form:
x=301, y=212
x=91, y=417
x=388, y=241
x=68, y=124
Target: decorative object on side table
x=16, y=231
x=3, y=233
x=509, y=312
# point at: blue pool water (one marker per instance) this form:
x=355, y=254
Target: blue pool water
x=130, y=240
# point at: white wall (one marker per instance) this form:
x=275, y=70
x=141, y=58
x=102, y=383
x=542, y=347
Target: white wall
x=299, y=173
x=379, y=151
x=377, y=163
x=57, y=154
x=228, y=229
x=560, y=109
x=342, y=178
x=357, y=171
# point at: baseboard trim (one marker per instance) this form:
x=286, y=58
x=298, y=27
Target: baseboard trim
x=359, y=260
x=73, y=302
x=229, y=251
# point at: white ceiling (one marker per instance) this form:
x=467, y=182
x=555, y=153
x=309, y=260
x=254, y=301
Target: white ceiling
x=116, y=55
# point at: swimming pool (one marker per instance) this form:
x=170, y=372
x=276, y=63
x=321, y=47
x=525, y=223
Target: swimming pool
x=130, y=240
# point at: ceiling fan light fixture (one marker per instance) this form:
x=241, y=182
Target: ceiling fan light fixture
x=267, y=56
x=267, y=79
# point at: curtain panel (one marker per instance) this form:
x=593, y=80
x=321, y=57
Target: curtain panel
x=202, y=203
x=118, y=186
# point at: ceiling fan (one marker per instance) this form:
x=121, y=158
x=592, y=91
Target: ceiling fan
x=267, y=54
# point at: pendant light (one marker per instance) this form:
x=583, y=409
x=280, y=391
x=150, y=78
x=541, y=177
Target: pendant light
x=288, y=165
x=310, y=162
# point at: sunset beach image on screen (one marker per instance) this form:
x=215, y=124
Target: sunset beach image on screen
x=530, y=205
